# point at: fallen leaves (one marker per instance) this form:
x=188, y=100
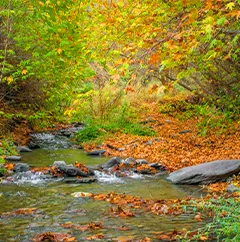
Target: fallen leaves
x=96, y=237
x=198, y=217
x=84, y=227
x=20, y=212
x=54, y=237
x=146, y=169
x=81, y=167
x=9, y=166
x=119, y=211
x=170, y=148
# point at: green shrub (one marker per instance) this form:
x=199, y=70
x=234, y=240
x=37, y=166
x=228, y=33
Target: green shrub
x=7, y=147
x=95, y=131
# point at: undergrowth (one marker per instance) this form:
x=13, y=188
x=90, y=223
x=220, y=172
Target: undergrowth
x=210, y=115
x=7, y=147
x=97, y=131
x=225, y=224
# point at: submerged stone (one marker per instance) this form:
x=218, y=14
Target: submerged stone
x=206, y=173
x=96, y=152
x=23, y=149
x=79, y=180
x=13, y=158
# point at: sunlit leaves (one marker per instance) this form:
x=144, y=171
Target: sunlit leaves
x=230, y=5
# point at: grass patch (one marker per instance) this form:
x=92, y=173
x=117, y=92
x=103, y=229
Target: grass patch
x=225, y=225
x=97, y=131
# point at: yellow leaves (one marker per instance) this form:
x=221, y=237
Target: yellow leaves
x=59, y=50
x=9, y=79
x=41, y=3
x=76, y=102
x=24, y=72
x=230, y=5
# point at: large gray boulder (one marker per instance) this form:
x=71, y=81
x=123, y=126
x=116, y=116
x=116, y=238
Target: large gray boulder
x=206, y=173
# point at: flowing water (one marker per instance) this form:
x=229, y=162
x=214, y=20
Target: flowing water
x=55, y=205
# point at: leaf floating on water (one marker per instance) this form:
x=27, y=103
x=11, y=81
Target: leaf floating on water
x=21, y=211
x=124, y=228
x=123, y=239
x=96, y=237
x=84, y=227
x=121, y=213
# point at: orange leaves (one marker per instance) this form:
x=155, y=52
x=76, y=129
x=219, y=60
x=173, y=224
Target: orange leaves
x=208, y=4
x=44, y=170
x=24, y=72
x=234, y=13
x=121, y=213
x=59, y=50
x=9, y=166
x=217, y=187
x=154, y=59
x=144, y=168
x=21, y=212
x=81, y=166
x=175, y=150
x=54, y=237
x=85, y=227
x=96, y=237
x=198, y=217
x=174, y=235
x=120, y=199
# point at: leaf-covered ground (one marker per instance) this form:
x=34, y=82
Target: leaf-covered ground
x=177, y=143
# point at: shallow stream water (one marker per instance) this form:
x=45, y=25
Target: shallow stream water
x=55, y=205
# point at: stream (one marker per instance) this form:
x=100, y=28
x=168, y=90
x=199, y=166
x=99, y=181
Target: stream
x=55, y=205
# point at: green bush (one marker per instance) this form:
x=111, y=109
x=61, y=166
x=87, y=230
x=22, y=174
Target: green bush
x=7, y=147
x=95, y=131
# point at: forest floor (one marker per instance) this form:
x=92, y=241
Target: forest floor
x=177, y=144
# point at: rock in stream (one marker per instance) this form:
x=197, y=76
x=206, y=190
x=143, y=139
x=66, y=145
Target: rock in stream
x=206, y=173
